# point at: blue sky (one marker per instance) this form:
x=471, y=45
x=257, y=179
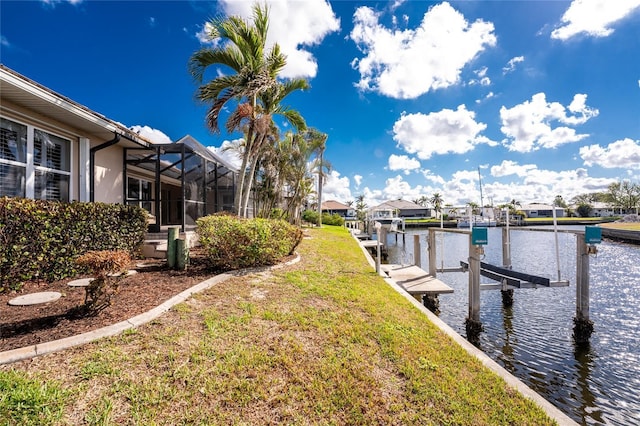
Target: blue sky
x=542, y=96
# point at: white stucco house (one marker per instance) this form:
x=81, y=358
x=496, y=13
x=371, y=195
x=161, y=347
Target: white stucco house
x=53, y=148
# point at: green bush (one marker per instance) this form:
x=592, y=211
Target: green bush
x=310, y=216
x=334, y=219
x=41, y=239
x=232, y=243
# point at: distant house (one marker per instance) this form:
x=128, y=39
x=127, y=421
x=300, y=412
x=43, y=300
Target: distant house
x=335, y=207
x=399, y=208
x=600, y=209
x=541, y=210
x=52, y=148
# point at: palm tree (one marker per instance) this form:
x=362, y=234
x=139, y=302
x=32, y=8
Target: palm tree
x=270, y=105
x=318, y=144
x=361, y=207
x=255, y=71
x=436, y=201
x=473, y=206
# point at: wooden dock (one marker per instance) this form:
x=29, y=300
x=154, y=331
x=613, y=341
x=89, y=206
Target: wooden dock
x=415, y=280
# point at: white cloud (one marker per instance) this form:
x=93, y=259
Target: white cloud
x=528, y=125
x=482, y=79
x=528, y=184
x=403, y=162
x=442, y=132
x=508, y=168
x=336, y=188
x=511, y=65
x=229, y=152
x=428, y=175
x=358, y=180
x=397, y=188
x=5, y=42
x=406, y=64
x=203, y=34
x=624, y=153
x=152, y=135
x=53, y=3
x=296, y=26
x=593, y=17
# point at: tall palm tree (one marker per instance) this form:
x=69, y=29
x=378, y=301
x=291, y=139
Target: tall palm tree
x=268, y=106
x=318, y=142
x=361, y=207
x=255, y=70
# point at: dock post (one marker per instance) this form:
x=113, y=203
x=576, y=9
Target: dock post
x=582, y=325
x=506, y=248
x=473, y=324
x=417, y=251
x=507, y=294
x=432, y=252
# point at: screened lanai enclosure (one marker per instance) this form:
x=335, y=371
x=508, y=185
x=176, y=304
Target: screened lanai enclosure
x=178, y=183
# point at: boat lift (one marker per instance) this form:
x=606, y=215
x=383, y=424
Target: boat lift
x=508, y=279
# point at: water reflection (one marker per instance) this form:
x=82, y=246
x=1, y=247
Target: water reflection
x=594, y=384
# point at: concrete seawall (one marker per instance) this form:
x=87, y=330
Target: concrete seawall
x=621, y=235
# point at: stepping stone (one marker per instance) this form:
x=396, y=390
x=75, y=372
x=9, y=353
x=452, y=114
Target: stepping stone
x=35, y=298
x=150, y=264
x=128, y=273
x=82, y=282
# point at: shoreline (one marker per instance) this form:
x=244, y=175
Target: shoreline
x=609, y=232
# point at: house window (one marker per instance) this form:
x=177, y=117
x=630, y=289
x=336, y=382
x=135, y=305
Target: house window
x=45, y=164
x=139, y=193
x=51, y=155
x=13, y=158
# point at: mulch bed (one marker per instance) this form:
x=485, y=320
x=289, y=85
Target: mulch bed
x=22, y=326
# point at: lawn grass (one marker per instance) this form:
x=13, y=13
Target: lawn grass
x=626, y=226
x=324, y=341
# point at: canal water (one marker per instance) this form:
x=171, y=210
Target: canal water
x=597, y=383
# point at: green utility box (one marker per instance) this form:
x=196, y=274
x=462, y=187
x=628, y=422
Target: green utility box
x=479, y=236
x=592, y=235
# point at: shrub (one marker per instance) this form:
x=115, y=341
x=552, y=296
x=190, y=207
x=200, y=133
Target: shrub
x=41, y=239
x=334, y=219
x=310, y=216
x=108, y=267
x=233, y=243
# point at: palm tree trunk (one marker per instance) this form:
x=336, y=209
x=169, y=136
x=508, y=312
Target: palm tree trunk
x=246, y=195
x=320, y=189
x=248, y=147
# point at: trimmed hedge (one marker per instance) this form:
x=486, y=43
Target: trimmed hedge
x=233, y=243
x=42, y=239
x=311, y=216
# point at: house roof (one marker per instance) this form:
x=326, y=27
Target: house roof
x=26, y=93
x=334, y=205
x=539, y=206
x=399, y=204
x=203, y=151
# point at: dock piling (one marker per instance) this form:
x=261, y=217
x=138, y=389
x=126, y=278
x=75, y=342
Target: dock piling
x=473, y=324
x=432, y=252
x=417, y=251
x=583, y=326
